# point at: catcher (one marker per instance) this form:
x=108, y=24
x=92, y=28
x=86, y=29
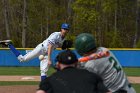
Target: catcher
x=107, y=67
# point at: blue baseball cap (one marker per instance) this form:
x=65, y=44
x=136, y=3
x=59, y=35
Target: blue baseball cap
x=65, y=26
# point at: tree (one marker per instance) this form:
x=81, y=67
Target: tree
x=136, y=37
x=24, y=25
x=6, y=20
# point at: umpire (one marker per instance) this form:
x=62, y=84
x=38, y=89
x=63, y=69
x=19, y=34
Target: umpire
x=71, y=79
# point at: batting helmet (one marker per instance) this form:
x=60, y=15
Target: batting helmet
x=84, y=43
x=65, y=26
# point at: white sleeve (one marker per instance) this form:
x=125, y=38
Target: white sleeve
x=53, y=38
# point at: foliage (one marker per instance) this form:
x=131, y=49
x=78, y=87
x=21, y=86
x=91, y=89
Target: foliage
x=116, y=41
x=138, y=44
x=113, y=23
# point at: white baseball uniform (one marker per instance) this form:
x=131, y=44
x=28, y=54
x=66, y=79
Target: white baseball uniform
x=111, y=71
x=54, y=39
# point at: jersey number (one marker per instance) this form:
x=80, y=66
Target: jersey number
x=115, y=64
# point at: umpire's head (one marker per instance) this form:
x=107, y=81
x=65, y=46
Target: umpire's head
x=66, y=58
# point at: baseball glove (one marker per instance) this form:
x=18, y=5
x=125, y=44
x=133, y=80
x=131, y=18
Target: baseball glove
x=67, y=44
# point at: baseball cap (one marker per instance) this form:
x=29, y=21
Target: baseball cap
x=65, y=26
x=67, y=57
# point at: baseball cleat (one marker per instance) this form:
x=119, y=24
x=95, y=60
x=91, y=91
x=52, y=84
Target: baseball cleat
x=5, y=42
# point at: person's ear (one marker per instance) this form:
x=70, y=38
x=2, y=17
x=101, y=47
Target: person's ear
x=58, y=65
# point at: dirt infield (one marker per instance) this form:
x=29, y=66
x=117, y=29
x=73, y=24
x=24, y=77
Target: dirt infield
x=37, y=78
x=18, y=89
x=19, y=78
x=33, y=88
x=134, y=79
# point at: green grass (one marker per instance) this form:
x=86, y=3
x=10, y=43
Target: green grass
x=36, y=71
x=132, y=71
x=136, y=87
x=19, y=71
x=22, y=71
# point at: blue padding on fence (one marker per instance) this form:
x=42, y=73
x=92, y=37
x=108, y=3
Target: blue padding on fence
x=7, y=58
x=127, y=58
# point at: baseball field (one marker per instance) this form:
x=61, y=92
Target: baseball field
x=26, y=79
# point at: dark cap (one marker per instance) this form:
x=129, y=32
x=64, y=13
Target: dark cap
x=67, y=57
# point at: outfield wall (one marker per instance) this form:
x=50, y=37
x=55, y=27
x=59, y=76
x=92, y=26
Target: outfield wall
x=127, y=57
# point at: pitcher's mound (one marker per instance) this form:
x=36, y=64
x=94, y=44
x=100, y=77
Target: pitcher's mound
x=27, y=78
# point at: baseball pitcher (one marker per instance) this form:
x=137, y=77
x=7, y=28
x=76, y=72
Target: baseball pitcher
x=45, y=48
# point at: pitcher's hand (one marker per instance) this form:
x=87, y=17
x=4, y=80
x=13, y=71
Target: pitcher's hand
x=49, y=62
